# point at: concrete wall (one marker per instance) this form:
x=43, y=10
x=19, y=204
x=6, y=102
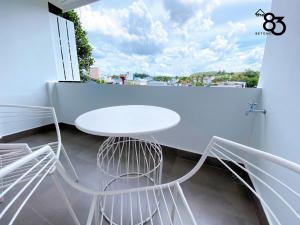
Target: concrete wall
x=26, y=58
x=204, y=111
x=278, y=132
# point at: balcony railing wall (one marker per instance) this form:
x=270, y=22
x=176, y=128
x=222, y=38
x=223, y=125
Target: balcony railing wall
x=204, y=111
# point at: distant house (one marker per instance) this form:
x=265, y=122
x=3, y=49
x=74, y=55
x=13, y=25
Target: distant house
x=173, y=82
x=207, y=80
x=236, y=84
x=156, y=83
x=141, y=81
x=129, y=76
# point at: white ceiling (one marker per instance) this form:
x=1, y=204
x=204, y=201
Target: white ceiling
x=67, y=5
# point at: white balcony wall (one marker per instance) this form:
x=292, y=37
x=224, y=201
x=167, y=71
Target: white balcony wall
x=278, y=132
x=26, y=59
x=204, y=111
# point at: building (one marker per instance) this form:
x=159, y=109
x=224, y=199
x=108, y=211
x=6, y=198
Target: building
x=95, y=73
x=207, y=80
x=129, y=76
x=234, y=84
x=156, y=83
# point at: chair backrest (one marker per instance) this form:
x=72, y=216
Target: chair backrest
x=20, y=118
x=21, y=173
x=273, y=180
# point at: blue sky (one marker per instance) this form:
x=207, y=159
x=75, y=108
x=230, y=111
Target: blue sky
x=174, y=37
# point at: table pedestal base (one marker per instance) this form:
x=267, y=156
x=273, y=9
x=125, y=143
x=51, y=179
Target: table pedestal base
x=126, y=163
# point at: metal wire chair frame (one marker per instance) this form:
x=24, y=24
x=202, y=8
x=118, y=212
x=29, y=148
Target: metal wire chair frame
x=214, y=148
x=210, y=150
x=32, y=113
x=23, y=167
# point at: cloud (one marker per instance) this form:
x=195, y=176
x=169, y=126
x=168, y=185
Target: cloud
x=132, y=29
x=174, y=37
x=182, y=10
x=236, y=28
x=231, y=56
x=221, y=43
x=239, y=60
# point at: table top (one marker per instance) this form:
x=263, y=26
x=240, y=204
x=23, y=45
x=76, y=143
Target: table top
x=127, y=120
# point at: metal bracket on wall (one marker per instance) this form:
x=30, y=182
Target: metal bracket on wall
x=252, y=109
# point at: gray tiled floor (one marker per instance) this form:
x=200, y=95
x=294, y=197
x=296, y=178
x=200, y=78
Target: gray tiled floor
x=213, y=195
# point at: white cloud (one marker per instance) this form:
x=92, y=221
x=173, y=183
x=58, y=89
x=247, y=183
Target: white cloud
x=170, y=37
x=98, y=21
x=239, y=60
x=132, y=28
x=221, y=43
x=236, y=28
x=182, y=10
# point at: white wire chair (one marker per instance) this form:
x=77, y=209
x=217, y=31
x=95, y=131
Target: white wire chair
x=18, y=118
x=162, y=203
x=21, y=174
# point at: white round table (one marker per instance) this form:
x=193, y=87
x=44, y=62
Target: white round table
x=124, y=160
x=127, y=121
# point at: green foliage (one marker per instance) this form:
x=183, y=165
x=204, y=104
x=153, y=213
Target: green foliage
x=251, y=77
x=84, y=49
x=196, y=79
x=100, y=81
x=252, y=81
x=185, y=80
x=251, y=73
x=140, y=75
x=115, y=76
x=162, y=78
x=199, y=84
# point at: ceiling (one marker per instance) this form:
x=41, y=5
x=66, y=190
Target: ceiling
x=67, y=5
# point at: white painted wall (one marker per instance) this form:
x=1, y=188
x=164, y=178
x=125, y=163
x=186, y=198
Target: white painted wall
x=205, y=111
x=26, y=57
x=278, y=132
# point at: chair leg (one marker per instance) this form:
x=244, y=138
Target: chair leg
x=92, y=212
x=1, y=182
x=70, y=163
x=65, y=198
x=175, y=198
x=96, y=215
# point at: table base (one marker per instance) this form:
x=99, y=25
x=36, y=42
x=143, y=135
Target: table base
x=126, y=163
x=139, y=213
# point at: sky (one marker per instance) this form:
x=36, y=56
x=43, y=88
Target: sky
x=174, y=37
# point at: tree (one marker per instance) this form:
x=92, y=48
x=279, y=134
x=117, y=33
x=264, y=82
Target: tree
x=252, y=82
x=100, y=81
x=251, y=73
x=115, y=76
x=197, y=78
x=84, y=48
x=251, y=77
x=162, y=78
x=185, y=80
x=140, y=75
